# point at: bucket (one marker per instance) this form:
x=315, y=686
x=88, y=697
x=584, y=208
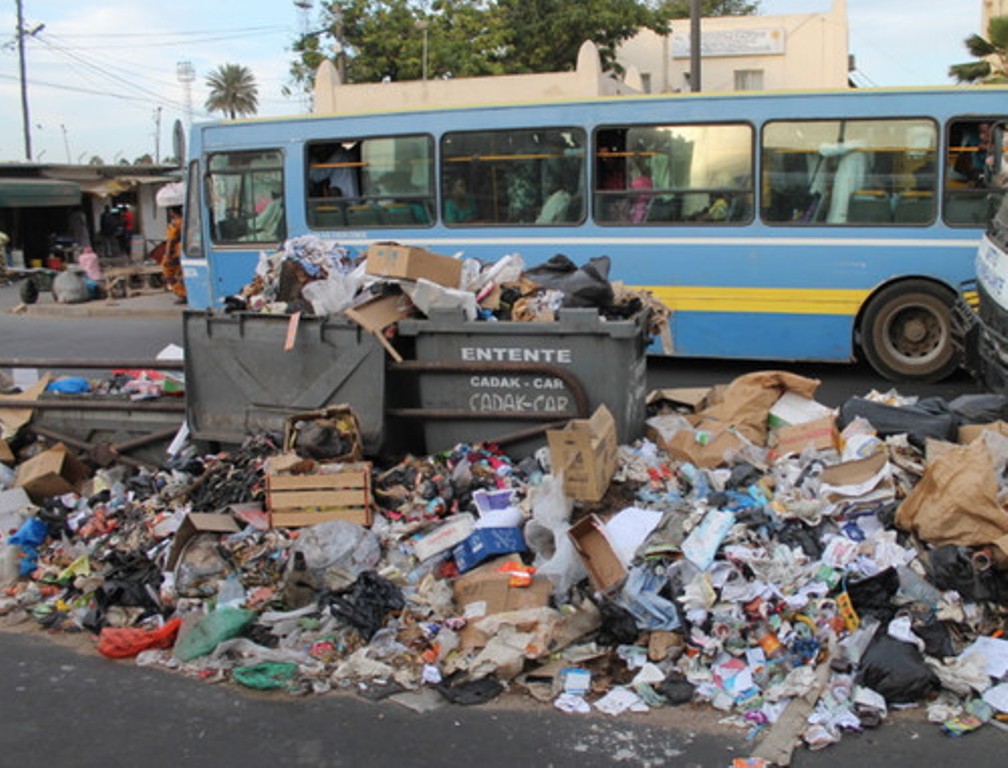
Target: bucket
x=35, y=263
x=54, y=262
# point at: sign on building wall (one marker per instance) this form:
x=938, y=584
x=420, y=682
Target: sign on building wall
x=731, y=42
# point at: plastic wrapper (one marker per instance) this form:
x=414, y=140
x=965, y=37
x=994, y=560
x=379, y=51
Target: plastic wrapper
x=124, y=642
x=546, y=534
x=211, y=630
x=338, y=551
x=929, y=417
x=267, y=675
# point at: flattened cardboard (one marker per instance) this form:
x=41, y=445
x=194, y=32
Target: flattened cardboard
x=692, y=397
x=485, y=591
x=605, y=570
x=196, y=523
x=854, y=472
x=378, y=314
x=484, y=543
x=6, y=454
x=585, y=452
x=821, y=434
x=400, y=261
x=970, y=432
x=704, y=448
x=12, y=419
x=53, y=472
x=793, y=408
x=452, y=531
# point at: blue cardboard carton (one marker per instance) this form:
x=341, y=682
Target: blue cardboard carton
x=485, y=543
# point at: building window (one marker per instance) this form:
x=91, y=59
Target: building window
x=645, y=79
x=748, y=79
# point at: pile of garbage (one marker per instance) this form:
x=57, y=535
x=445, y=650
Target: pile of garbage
x=320, y=277
x=801, y=570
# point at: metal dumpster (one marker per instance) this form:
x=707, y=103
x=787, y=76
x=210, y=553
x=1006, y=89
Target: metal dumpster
x=239, y=379
x=507, y=381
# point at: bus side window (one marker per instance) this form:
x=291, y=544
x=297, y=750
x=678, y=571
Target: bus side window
x=976, y=170
x=849, y=172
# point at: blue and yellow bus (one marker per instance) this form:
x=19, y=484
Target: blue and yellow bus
x=777, y=226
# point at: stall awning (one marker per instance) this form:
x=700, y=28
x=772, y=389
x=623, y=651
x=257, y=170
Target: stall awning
x=38, y=193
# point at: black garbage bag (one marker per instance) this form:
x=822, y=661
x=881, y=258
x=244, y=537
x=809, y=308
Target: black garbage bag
x=951, y=567
x=980, y=408
x=586, y=286
x=897, y=671
x=130, y=580
x=366, y=603
x=937, y=637
x=873, y=596
x=676, y=689
x=930, y=417
x=618, y=625
x=467, y=692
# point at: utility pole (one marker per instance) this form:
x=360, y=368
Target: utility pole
x=66, y=142
x=25, y=121
x=157, y=135
x=694, y=76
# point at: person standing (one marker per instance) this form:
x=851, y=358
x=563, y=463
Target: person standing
x=171, y=264
x=108, y=246
x=128, y=225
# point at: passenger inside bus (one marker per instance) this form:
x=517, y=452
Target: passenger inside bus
x=460, y=205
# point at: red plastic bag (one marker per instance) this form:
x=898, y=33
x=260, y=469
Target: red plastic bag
x=123, y=642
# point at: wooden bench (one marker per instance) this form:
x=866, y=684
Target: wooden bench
x=138, y=280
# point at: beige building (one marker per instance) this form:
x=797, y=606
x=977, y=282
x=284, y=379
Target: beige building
x=745, y=53
x=991, y=8
x=739, y=53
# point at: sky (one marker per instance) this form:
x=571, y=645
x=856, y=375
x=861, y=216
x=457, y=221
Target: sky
x=102, y=75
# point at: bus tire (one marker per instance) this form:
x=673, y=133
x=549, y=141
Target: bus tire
x=906, y=332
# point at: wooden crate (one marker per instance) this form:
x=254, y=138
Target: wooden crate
x=298, y=500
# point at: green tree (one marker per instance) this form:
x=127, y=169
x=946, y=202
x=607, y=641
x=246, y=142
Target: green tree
x=376, y=40
x=233, y=91
x=994, y=46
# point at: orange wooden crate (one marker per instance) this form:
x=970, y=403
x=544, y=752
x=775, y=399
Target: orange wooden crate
x=297, y=500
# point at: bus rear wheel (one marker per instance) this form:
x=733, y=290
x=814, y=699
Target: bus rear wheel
x=906, y=332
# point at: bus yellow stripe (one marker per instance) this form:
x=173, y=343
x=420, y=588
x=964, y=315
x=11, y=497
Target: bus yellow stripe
x=801, y=301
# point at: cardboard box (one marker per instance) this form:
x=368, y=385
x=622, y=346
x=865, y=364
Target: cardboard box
x=194, y=524
x=821, y=434
x=51, y=473
x=454, y=530
x=585, y=452
x=793, y=408
x=341, y=418
x=484, y=543
x=704, y=447
x=375, y=315
x=402, y=261
x=605, y=570
x=485, y=591
x=970, y=432
x=690, y=397
x=297, y=500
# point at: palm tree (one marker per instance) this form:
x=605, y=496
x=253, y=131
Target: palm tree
x=992, y=53
x=233, y=91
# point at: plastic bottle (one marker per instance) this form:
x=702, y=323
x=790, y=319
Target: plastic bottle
x=916, y=588
x=855, y=644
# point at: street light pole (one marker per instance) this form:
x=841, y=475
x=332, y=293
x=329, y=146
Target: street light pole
x=422, y=25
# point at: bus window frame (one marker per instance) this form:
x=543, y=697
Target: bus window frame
x=751, y=192
x=583, y=179
x=192, y=228
x=215, y=239
x=429, y=201
x=993, y=194
x=796, y=224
